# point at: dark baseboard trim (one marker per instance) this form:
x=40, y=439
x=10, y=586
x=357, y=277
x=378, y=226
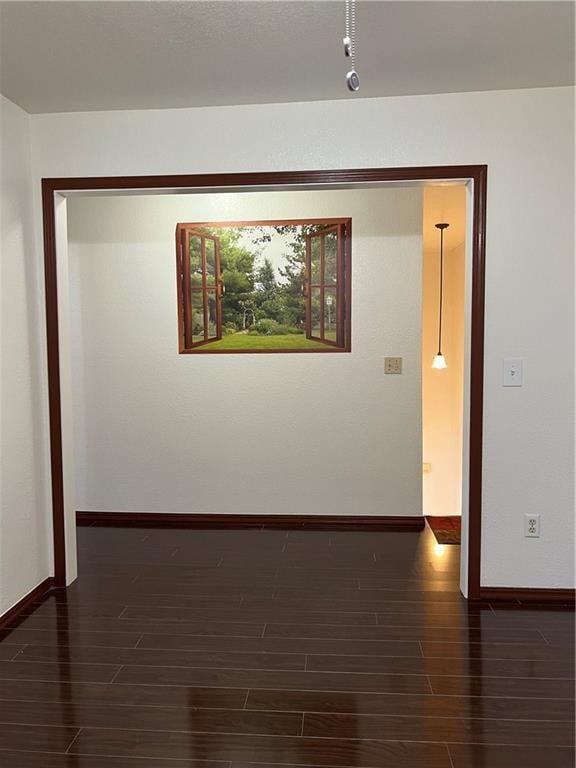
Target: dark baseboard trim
x=182, y=520
x=527, y=595
x=33, y=596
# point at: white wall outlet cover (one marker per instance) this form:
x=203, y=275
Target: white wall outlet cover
x=512, y=372
x=532, y=526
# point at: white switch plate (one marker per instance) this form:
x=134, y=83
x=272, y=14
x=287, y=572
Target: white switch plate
x=512, y=373
x=392, y=365
x=532, y=526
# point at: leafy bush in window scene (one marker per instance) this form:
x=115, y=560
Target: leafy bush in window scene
x=197, y=324
x=268, y=327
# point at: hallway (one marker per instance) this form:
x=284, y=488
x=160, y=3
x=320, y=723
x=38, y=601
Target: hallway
x=236, y=648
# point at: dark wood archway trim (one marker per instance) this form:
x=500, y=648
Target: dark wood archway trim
x=275, y=180
x=292, y=522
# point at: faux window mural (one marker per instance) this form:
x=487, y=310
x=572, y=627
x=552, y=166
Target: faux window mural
x=264, y=286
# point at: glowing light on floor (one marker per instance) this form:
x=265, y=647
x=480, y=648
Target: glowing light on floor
x=439, y=550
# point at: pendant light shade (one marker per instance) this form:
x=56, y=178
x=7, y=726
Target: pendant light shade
x=439, y=361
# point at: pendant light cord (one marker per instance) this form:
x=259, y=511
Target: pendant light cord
x=441, y=290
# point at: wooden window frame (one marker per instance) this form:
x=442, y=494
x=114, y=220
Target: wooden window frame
x=341, y=225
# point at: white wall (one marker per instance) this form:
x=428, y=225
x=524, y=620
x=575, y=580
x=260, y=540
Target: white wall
x=25, y=535
x=442, y=389
x=267, y=434
x=526, y=138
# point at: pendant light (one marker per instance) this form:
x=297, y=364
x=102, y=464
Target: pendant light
x=439, y=361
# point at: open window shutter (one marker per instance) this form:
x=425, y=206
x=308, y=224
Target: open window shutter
x=186, y=317
x=342, y=280
x=219, y=288
x=325, y=284
x=201, y=287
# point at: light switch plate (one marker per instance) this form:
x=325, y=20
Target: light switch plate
x=392, y=365
x=512, y=373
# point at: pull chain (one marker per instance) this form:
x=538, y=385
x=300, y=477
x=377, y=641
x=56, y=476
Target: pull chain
x=352, y=79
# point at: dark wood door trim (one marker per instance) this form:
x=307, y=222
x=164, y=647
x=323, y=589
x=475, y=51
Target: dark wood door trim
x=542, y=595
x=34, y=596
x=275, y=180
x=54, y=399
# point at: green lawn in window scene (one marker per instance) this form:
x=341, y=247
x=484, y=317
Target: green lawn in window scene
x=247, y=341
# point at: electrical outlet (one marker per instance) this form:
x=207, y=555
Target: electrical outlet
x=392, y=365
x=427, y=467
x=532, y=526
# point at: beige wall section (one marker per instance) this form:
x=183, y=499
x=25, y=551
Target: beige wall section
x=267, y=434
x=25, y=525
x=442, y=390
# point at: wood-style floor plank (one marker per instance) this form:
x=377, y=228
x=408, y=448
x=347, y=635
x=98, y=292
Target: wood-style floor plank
x=38, y=738
x=324, y=752
x=27, y=759
x=527, y=688
x=66, y=637
x=57, y=670
x=125, y=695
x=285, y=645
x=162, y=658
x=9, y=650
x=438, y=729
x=67, y=626
x=487, y=650
x=80, y=714
x=474, y=756
x=421, y=632
x=303, y=615
x=274, y=679
x=419, y=706
x=490, y=667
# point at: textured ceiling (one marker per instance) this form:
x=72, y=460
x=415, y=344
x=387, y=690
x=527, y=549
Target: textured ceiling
x=71, y=56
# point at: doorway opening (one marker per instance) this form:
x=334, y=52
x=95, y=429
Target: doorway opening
x=55, y=193
x=443, y=351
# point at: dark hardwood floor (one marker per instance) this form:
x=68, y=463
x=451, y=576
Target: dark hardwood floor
x=268, y=648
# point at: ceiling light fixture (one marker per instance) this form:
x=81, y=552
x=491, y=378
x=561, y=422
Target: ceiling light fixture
x=439, y=360
x=352, y=79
